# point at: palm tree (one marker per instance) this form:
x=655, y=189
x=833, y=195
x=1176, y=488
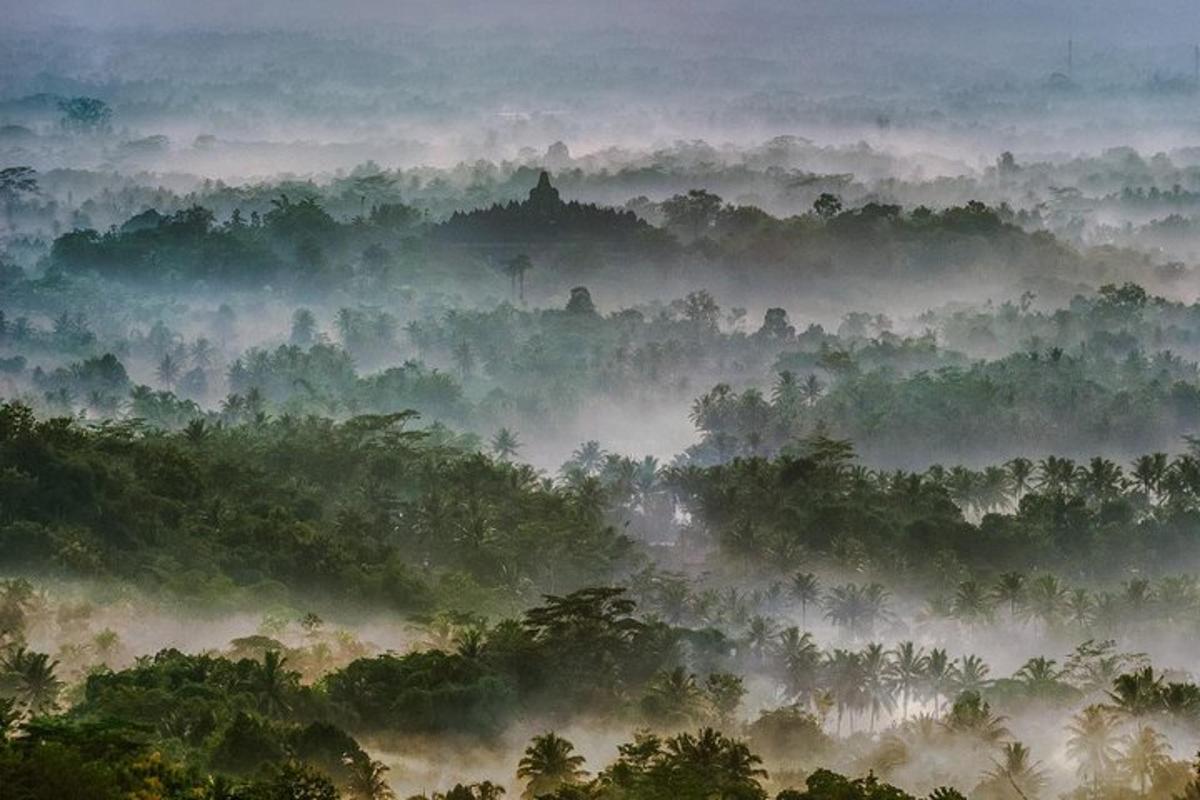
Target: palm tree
x=844, y=679
x=992, y=489
x=1020, y=471
x=1181, y=700
x=937, y=677
x=464, y=358
x=196, y=431
x=805, y=589
x=970, y=675
x=880, y=692
x=1010, y=589
x=1056, y=475
x=1145, y=752
x=759, y=635
x=589, y=499
x=811, y=389
x=971, y=603
x=799, y=660
x=785, y=551
x=856, y=608
x=1136, y=695
x=1092, y=744
x=1102, y=479
x=1080, y=607
x=1186, y=477
x=972, y=715
x=646, y=481
x=201, y=353
x=549, y=762
x=1018, y=771
x=1094, y=673
x=367, y=779
x=1045, y=599
x=740, y=768
x=674, y=698
x=469, y=642
x=505, y=444
x=733, y=606
x=1148, y=473
x=271, y=683
x=304, y=327
x=946, y=793
x=104, y=404
x=31, y=680
x=168, y=371
x=709, y=752
x=907, y=672
x=724, y=692
x=515, y=268
x=348, y=324
x=961, y=483
x=671, y=597
x=785, y=394
x=618, y=475
x=1040, y=675
x=255, y=403
x=233, y=407
x=588, y=457
x=486, y=790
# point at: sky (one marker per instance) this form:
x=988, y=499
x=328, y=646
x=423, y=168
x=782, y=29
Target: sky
x=1160, y=21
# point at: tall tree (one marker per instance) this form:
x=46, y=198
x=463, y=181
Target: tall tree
x=549, y=763
x=805, y=589
x=31, y=680
x=907, y=672
x=515, y=268
x=1092, y=744
x=1145, y=752
x=674, y=699
x=272, y=682
x=367, y=778
x=1010, y=589
x=938, y=677
x=1016, y=775
x=505, y=444
x=880, y=692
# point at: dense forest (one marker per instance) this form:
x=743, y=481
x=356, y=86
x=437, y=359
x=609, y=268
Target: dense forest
x=565, y=402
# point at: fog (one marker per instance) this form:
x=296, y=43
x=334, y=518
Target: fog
x=583, y=401
x=417, y=83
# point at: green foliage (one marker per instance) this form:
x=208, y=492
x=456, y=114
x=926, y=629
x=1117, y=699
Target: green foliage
x=244, y=719
x=826, y=785
x=689, y=766
x=428, y=692
x=580, y=651
x=347, y=511
x=1008, y=406
x=788, y=733
x=85, y=114
x=63, y=760
x=814, y=499
x=545, y=220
